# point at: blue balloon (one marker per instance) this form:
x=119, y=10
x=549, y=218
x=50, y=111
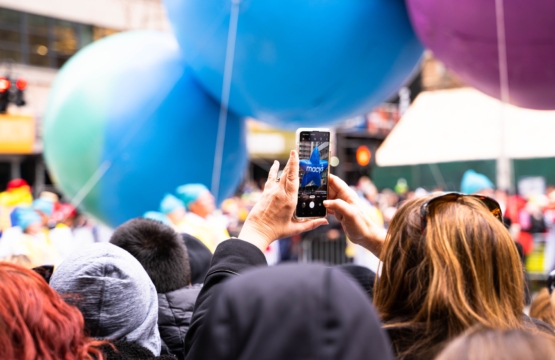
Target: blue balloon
x=300, y=62
x=126, y=109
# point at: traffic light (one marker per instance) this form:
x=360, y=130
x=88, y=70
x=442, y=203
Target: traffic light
x=7, y=94
x=21, y=85
x=5, y=85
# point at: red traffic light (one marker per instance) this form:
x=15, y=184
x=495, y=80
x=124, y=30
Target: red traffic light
x=4, y=84
x=21, y=84
x=363, y=155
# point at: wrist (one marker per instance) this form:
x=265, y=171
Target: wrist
x=255, y=236
x=375, y=239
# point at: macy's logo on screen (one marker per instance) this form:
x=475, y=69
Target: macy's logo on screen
x=316, y=169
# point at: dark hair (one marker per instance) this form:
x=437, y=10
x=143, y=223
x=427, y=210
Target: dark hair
x=159, y=249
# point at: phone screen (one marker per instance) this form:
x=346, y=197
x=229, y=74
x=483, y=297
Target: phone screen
x=314, y=151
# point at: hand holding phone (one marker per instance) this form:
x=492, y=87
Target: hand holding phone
x=313, y=146
x=272, y=216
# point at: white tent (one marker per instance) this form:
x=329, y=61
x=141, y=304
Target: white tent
x=464, y=124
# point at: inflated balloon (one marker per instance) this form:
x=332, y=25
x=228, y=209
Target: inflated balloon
x=463, y=35
x=126, y=111
x=300, y=62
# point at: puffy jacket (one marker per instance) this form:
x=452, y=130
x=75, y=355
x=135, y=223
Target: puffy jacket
x=175, y=310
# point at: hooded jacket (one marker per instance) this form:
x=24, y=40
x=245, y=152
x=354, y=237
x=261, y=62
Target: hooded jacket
x=113, y=292
x=175, y=309
x=283, y=312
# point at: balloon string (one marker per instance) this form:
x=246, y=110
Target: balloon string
x=502, y=51
x=504, y=166
x=226, y=89
x=88, y=186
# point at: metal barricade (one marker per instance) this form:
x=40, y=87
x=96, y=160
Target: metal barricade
x=323, y=249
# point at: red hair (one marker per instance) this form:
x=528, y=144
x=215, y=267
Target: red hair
x=35, y=323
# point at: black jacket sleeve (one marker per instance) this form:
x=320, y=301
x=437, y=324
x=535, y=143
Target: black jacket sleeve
x=231, y=257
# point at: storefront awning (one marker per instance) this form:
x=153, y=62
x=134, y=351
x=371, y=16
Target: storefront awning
x=464, y=124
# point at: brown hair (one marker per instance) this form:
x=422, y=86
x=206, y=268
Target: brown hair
x=463, y=270
x=35, y=323
x=489, y=344
x=542, y=307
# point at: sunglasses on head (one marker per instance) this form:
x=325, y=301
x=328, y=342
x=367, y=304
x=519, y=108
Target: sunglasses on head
x=492, y=205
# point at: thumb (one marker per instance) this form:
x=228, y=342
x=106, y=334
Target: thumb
x=305, y=226
x=338, y=206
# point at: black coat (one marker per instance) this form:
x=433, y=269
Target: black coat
x=199, y=258
x=175, y=310
x=129, y=350
x=289, y=312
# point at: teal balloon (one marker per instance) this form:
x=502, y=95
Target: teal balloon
x=300, y=62
x=126, y=123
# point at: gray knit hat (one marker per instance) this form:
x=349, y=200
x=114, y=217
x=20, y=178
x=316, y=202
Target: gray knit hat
x=113, y=292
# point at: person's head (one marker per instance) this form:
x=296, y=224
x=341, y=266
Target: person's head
x=475, y=183
x=29, y=220
x=463, y=269
x=159, y=249
x=542, y=307
x=173, y=208
x=113, y=292
x=491, y=344
x=292, y=312
x=197, y=199
x=36, y=323
x=44, y=208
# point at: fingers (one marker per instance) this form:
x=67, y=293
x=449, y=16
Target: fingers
x=291, y=174
x=338, y=189
x=339, y=207
x=272, y=175
x=304, y=226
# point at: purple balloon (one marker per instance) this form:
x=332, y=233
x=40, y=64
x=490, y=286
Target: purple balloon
x=463, y=35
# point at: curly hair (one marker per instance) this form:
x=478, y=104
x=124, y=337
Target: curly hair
x=36, y=323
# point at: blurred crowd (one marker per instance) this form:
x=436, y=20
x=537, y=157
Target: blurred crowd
x=34, y=231
x=176, y=284
x=42, y=230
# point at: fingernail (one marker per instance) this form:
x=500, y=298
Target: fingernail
x=275, y=162
x=292, y=153
x=326, y=202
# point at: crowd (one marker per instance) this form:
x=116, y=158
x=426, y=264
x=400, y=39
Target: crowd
x=171, y=285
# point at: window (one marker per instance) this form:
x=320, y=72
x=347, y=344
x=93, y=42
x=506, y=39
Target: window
x=42, y=41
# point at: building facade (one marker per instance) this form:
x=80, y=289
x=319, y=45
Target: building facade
x=36, y=38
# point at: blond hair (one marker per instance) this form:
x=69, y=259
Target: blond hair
x=464, y=269
x=542, y=308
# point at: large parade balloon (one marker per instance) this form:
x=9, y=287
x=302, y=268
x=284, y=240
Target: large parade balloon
x=299, y=62
x=463, y=35
x=126, y=121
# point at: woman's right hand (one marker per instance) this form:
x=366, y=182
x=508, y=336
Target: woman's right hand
x=345, y=204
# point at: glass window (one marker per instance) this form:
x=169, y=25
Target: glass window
x=10, y=54
x=10, y=18
x=99, y=33
x=37, y=24
x=10, y=36
x=85, y=35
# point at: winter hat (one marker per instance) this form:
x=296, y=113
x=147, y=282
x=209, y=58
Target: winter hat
x=155, y=215
x=44, y=206
x=113, y=292
x=170, y=203
x=26, y=217
x=472, y=182
x=190, y=193
x=291, y=312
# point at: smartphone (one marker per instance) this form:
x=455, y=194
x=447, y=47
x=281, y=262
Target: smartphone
x=313, y=147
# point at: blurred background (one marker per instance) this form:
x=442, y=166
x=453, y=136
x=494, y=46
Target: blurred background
x=423, y=137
